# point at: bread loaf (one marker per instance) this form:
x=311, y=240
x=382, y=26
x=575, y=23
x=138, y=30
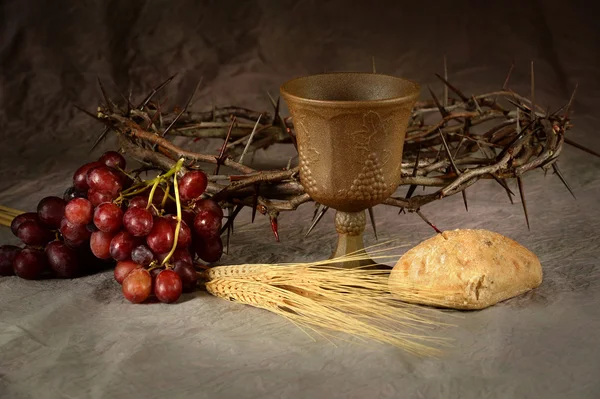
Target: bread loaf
x=465, y=269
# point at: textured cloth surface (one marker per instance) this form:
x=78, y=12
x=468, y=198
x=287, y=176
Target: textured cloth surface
x=82, y=339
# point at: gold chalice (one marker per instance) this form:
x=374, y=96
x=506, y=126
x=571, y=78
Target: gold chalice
x=350, y=130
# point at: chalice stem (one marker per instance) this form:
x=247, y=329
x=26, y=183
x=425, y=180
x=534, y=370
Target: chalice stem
x=350, y=227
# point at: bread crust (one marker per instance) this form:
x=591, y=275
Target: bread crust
x=465, y=269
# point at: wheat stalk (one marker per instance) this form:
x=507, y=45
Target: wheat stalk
x=324, y=298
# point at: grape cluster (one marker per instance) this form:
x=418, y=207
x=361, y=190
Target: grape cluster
x=152, y=232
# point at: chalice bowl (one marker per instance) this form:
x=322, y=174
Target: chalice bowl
x=350, y=130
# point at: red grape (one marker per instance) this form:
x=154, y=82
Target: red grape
x=160, y=239
x=121, y=246
x=17, y=221
x=138, y=221
x=99, y=197
x=168, y=286
x=51, y=211
x=138, y=202
x=102, y=178
x=100, y=244
x=73, y=192
x=209, y=205
x=7, y=255
x=80, y=176
x=188, y=275
x=207, y=224
x=79, y=211
x=209, y=250
x=113, y=159
x=30, y=264
x=63, y=260
x=142, y=255
x=108, y=217
x=192, y=185
x=122, y=269
x=34, y=234
x=137, y=286
x=74, y=234
x=184, y=239
x=188, y=216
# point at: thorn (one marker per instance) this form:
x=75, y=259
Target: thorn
x=520, y=182
x=571, y=100
x=458, y=172
x=522, y=107
x=187, y=104
x=477, y=105
x=250, y=139
x=373, y=61
x=127, y=101
x=428, y=222
x=255, y=200
x=154, y=91
x=317, y=208
x=221, y=156
x=231, y=218
x=562, y=178
x=106, y=99
x=502, y=182
x=532, y=93
x=446, y=79
x=275, y=227
x=317, y=220
x=100, y=138
x=505, y=85
x=582, y=148
x=372, y=217
x=454, y=89
x=464, y=195
x=412, y=187
x=437, y=103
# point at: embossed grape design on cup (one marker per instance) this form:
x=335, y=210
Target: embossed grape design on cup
x=350, y=130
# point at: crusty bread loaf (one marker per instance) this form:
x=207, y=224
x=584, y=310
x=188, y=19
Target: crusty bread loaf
x=465, y=269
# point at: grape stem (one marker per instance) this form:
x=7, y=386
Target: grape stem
x=176, y=168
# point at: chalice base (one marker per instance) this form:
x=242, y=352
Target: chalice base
x=350, y=227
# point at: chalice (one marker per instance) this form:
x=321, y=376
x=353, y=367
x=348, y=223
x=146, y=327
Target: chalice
x=350, y=130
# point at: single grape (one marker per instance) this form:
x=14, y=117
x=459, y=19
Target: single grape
x=121, y=246
x=137, y=286
x=184, y=239
x=209, y=205
x=160, y=239
x=113, y=159
x=51, y=211
x=99, y=197
x=209, y=250
x=33, y=233
x=102, y=178
x=207, y=224
x=138, y=202
x=63, y=260
x=74, y=234
x=80, y=176
x=108, y=217
x=168, y=286
x=188, y=216
x=122, y=269
x=30, y=264
x=192, y=185
x=188, y=275
x=138, y=221
x=79, y=211
x=91, y=227
x=17, y=221
x=100, y=244
x=7, y=256
x=142, y=255
x=72, y=192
